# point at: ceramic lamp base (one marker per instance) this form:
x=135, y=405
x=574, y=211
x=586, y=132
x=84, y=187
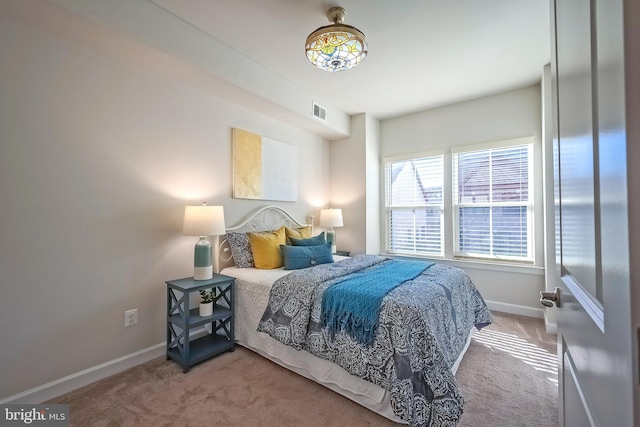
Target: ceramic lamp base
x=203, y=268
x=203, y=273
x=331, y=238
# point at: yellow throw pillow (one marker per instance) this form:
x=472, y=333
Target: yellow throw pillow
x=298, y=233
x=265, y=247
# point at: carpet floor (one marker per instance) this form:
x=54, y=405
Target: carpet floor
x=508, y=376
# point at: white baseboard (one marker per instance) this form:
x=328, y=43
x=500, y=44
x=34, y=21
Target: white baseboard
x=79, y=379
x=522, y=310
x=550, y=326
x=71, y=382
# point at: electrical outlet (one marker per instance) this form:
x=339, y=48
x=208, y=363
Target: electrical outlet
x=130, y=317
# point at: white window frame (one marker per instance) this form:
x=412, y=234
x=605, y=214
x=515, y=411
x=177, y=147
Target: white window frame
x=529, y=204
x=387, y=161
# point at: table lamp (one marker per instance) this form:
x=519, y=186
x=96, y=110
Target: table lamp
x=331, y=218
x=203, y=221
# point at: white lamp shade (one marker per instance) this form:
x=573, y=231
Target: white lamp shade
x=203, y=221
x=331, y=218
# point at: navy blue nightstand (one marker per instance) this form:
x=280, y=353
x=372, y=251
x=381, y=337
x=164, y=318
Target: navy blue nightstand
x=181, y=319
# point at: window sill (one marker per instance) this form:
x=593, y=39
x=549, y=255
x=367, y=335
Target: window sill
x=477, y=265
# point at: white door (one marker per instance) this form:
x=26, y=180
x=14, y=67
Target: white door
x=596, y=338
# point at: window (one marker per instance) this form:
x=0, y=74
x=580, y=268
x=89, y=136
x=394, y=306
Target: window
x=414, y=210
x=486, y=194
x=493, y=202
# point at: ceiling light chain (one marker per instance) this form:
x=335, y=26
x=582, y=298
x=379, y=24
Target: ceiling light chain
x=336, y=47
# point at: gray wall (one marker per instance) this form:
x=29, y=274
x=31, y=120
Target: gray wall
x=98, y=158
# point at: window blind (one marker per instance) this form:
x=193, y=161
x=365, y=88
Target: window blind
x=492, y=197
x=413, y=193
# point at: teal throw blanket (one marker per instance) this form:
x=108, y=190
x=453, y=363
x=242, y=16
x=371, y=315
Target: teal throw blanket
x=354, y=304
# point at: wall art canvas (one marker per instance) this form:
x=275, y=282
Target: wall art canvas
x=264, y=168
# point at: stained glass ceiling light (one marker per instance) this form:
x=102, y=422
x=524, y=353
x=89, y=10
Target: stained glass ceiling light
x=336, y=47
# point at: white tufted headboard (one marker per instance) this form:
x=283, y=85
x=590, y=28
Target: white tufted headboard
x=264, y=219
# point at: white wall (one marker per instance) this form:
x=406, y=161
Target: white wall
x=355, y=186
x=98, y=158
x=498, y=117
x=144, y=33
x=372, y=160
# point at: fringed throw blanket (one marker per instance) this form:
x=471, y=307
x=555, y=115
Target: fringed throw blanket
x=423, y=326
x=353, y=305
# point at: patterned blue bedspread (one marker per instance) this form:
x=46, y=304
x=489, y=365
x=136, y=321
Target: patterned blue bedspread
x=353, y=305
x=423, y=327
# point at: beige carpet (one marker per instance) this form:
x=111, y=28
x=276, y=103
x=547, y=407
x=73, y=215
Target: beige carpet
x=508, y=377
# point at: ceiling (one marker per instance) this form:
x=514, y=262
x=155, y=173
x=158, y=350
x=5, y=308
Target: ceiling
x=422, y=53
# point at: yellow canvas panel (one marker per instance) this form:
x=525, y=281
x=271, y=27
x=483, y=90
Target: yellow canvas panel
x=247, y=165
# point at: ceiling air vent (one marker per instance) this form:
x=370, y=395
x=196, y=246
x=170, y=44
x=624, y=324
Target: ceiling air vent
x=319, y=112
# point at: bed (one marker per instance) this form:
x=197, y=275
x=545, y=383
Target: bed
x=405, y=374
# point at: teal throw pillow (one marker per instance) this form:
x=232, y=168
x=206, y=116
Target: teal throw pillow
x=313, y=241
x=296, y=257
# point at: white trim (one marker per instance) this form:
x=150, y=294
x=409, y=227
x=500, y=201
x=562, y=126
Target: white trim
x=87, y=376
x=570, y=366
x=518, y=268
x=494, y=144
x=521, y=310
x=593, y=307
x=550, y=327
x=413, y=156
x=529, y=203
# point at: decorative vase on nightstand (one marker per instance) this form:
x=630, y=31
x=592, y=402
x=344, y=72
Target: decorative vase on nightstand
x=206, y=303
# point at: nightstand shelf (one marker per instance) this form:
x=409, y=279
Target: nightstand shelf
x=182, y=319
x=219, y=312
x=201, y=349
x=342, y=253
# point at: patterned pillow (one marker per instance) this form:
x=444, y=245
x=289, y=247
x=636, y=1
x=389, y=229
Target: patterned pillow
x=240, y=250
